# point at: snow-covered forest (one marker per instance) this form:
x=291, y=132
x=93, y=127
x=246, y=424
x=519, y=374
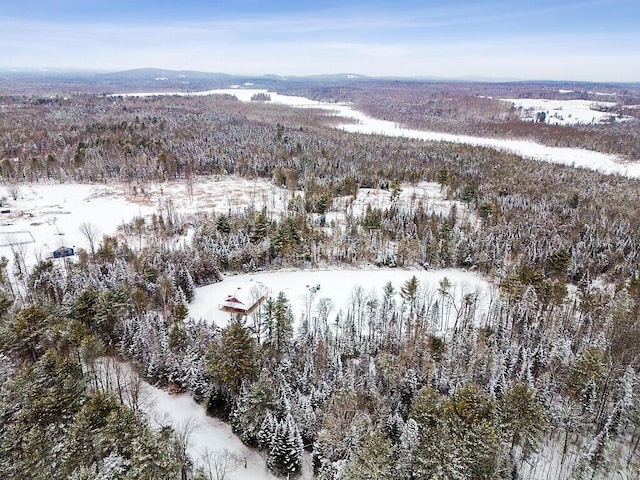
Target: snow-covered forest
x=527, y=371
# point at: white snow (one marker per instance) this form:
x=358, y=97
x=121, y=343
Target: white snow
x=566, y=112
x=46, y=217
x=51, y=215
x=429, y=194
x=605, y=163
x=242, y=94
x=226, y=194
x=208, y=435
x=341, y=285
x=603, y=94
x=204, y=434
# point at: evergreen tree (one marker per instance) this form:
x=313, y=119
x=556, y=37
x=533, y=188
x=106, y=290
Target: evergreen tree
x=285, y=454
x=522, y=417
x=260, y=228
x=233, y=358
x=267, y=433
x=254, y=404
x=372, y=460
x=23, y=335
x=278, y=320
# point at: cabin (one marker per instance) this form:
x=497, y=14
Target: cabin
x=240, y=303
x=63, y=252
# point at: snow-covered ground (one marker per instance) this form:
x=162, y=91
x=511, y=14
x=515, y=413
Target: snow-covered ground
x=207, y=437
x=226, y=194
x=565, y=112
x=361, y=123
x=46, y=217
x=347, y=289
x=427, y=194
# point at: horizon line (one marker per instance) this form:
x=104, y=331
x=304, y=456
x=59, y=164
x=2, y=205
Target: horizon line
x=469, y=78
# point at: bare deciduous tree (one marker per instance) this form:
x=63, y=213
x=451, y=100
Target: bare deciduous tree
x=183, y=433
x=90, y=231
x=217, y=465
x=14, y=191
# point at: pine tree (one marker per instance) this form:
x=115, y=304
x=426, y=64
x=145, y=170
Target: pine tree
x=233, y=358
x=255, y=402
x=267, y=432
x=407, y=448
x=372, y=460
x=260, y=228
x=278, y=320
x=285, y=454
x=522, y=417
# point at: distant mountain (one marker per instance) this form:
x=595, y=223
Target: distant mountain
x=164, y=74
x=48, y=81
x=338, y=77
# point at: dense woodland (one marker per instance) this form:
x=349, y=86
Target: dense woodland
x=545, y=386
x=475, y=109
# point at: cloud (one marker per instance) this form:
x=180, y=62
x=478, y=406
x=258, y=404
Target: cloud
x=462, y=39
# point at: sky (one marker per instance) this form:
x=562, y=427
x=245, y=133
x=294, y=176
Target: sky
x=582, y=40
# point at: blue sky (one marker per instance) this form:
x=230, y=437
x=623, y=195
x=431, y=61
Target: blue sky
x=596, y=40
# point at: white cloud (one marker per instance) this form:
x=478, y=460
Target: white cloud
x=402, y=43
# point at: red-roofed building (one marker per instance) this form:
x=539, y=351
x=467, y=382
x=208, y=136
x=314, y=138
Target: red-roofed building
x=239, y=303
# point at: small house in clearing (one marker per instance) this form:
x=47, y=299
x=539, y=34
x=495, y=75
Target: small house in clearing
x=240, y=303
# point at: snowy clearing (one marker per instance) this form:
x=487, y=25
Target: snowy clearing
x=566, y=112
x=209, y=435
x=605, y=163
x=428, y=195
x=46, y=217
x=51, y=215
x=347, y=289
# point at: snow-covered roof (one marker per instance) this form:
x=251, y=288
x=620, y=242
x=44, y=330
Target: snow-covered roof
x=240, y=296
x=240, y=301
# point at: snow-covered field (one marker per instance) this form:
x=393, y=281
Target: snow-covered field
x=361, y=123
x=565, y=112
x=427, y=194
x=46, y=217
x=347, y=289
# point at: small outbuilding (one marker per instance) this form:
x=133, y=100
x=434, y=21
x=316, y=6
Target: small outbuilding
x=63, y=252
x=240, y=303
